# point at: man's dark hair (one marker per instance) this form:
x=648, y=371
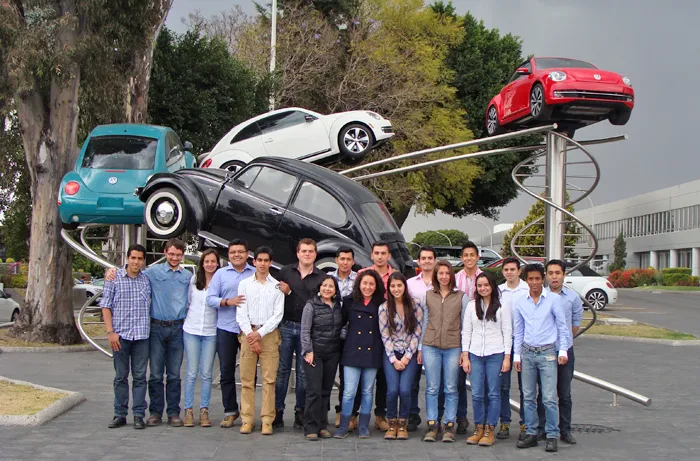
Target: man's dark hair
x=534, y=267
x=469, y=244
x=136, y=247
x=429, y=249
x=380, y=243
x=238, y=242
x=511, y=260
x=555, y=262
x=177, y=243
x=263, y=250
x=345, y=250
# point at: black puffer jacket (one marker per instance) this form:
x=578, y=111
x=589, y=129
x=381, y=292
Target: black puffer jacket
x=320, y=327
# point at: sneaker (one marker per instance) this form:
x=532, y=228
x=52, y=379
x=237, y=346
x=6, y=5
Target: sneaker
x=189, y=418
x=503, y=431
x=448, y=434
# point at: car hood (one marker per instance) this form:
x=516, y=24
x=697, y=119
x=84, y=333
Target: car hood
x=114, y=181
x=358, y=114
x=588, y=75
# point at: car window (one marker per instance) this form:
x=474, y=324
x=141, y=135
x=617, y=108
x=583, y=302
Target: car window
x=315, y=201
x=247, y=176
x=551, y=63
x=120, y=152
x=516, y=75
x=281, y=121
x=2, y=294
x=378, y=218
x=174, y=148
x=274, y=184
x=248, y=132
x=576, y=273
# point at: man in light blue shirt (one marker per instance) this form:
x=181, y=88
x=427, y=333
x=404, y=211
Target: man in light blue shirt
x=223, y=295
x=539, y=321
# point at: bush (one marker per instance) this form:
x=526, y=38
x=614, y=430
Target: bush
x=15, y=281
x=644, y=277
x=497, y=274
x=9, y=261
x=691, y=282
x=673, y=275
x=621, y=279
x=677, y=270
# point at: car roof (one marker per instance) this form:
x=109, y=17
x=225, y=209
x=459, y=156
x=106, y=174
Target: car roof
x=562, y=57
x=135, y=129
x=350, y=190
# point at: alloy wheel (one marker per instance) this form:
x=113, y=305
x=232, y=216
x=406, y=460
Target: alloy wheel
x=492, y=121
x=597, y=300
x=536, y=101
x=356, y=140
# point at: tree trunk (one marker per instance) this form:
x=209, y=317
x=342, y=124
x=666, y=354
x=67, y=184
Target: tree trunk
x=48, y=123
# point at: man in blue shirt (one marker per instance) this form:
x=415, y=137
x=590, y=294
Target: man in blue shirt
x=125, y=307
x=539, y=329
x=573, y=310
x=223, y=295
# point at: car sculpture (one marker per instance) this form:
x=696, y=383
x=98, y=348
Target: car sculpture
x=275, y=202
x=114, y=160
x=571, y=92
x=303, y=134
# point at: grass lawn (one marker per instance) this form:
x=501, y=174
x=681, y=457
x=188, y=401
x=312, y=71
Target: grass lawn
x=95, y=331
x=18, y=399
x=640, y=331
x=665, y=288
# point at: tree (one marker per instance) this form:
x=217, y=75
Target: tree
x=436, y=238
x=538, y=211
x=15, y=198
x=49, y=48
x=620, y=251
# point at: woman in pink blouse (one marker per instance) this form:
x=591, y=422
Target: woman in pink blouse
x=400, y=319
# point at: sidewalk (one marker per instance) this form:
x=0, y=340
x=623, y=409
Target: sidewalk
x=667, y=430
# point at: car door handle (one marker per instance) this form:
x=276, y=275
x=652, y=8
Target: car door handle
x=268, y=140
x=568, y=281
x=275, y=210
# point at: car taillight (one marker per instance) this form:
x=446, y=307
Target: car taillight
x=206, y=163
x=609, y=285
x=71, y=188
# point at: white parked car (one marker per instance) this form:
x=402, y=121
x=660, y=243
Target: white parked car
x=9, y=309
x=597, y=290
x=302, y=134
x=84, y=291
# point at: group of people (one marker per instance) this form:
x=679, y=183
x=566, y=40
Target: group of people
x=374, y=328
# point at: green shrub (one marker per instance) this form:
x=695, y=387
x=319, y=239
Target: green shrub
x=17, y=281
x=9, y=261
x=691, y=282
x=644, y=277
x=673, y=275
x=497, y=274
x=678, y=270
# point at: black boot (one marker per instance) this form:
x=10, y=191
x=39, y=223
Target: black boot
x=528, y=441
x=118, y=421
x=298, y=419
x=551, y=445
x=413, y=422
x=279, y=419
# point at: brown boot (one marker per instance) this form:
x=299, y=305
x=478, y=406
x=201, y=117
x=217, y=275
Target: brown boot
x=489, y=436
x=189, y=418
x=204, y=420
x=229, y=420
x=393, y=429
x=432, y=433
x=337, y=419
x=402, y=432
x=353, y=423
x=381, y=423
x=478, y=434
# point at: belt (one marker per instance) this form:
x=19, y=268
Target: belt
x=167, y=323
x=538, y=348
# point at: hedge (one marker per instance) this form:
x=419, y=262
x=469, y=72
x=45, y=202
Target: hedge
x=675, y=275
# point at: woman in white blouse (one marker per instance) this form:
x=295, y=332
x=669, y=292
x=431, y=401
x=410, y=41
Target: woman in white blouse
x=486, y=344
x=199, y=335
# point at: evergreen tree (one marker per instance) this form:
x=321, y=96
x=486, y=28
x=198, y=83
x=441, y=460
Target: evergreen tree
x=620, y=251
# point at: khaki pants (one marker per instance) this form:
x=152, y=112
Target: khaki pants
x=269, y=360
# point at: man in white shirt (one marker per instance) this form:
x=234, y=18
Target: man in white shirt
x=511, y=290
x=258, y=316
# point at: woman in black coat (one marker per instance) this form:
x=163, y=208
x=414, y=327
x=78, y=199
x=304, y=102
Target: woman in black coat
x=362, y=354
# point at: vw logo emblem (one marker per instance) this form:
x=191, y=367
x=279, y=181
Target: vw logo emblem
x=596, y=76
x=113, y=180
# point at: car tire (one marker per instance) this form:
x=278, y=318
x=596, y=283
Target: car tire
x=173, y=219
x=15, y=316
x=620, y=117
x=597, y=299
x=355, y=141
x=327, y=264
x=492, y=126
x=233, y=166
x=539, y=110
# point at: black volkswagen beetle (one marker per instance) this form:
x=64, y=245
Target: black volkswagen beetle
x=275, y=202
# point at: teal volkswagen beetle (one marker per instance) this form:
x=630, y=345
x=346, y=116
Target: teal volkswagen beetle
x=113, y=162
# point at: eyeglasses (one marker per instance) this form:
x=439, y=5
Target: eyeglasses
x=174, y=255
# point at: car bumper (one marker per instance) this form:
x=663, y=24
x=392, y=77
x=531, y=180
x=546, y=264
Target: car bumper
x=590, y=96
x=117, y=209
x=612, y=296
x=383, y=133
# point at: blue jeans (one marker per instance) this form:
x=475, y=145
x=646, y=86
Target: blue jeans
x=486, y=380
x=134, y=355
x=398, y=385
x=166, y=350
x=463, y=400
x=540, y=365
x=291, y=342
x=445, y=362
x=200, y=352
x=565, y=373
x=352, y=380
x=505, y=394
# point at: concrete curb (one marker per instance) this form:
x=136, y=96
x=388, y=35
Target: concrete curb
x=48, y=350
x=631, y=339
x=47, y=414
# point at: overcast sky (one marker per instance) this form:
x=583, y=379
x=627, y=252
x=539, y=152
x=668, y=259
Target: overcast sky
x=650, y=42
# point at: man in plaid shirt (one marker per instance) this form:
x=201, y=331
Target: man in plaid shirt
x=126, y=304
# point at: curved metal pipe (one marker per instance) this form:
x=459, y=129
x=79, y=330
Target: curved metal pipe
x=83, y=251
x=81, y=315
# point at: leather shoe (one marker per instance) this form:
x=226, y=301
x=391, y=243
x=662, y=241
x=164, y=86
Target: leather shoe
x=541, y=435
x=154, y=420
x=247, y=428
x=138, y=423
x=568, y=438
x=118, y=421
x=528, y=441
x=175, y=421
x=551, y=445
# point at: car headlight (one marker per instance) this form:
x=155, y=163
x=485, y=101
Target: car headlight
x=626, y=81
x=374, y=115
x=557, y=76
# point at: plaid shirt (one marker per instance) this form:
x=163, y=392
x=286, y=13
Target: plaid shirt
x=345, y=285
x=129, y=299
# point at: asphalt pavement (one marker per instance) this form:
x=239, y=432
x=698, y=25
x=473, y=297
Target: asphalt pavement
x=678, y=311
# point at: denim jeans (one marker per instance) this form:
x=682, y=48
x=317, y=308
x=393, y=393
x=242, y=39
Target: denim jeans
x=166, y=352
x=134, y=355
x=462, y=401
x=505, y=394
x=352, y=380
x=398, y=386
x=565, y=373
x=441, y=367
x=227, y=346
x=542, y=366
x=415, y=390
x=291, y=343
x=200, y=352
x=486, y=380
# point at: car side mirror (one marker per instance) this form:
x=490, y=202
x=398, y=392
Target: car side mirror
x=309, y=118
x=522, y=71
x=188, y=145
x=8, y=295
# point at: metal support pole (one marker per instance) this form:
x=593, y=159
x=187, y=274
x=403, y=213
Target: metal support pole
x=556, y=191
x=273, y=46
x=127, y=238
x=614, y=404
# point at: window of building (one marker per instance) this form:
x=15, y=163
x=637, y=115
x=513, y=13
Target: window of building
x=685, y=257
x=644, y=259
x=664, y=259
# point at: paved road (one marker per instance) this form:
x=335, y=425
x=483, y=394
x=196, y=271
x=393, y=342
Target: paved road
x=675, y=310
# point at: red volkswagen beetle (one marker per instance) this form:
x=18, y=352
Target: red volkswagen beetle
x=571, y=92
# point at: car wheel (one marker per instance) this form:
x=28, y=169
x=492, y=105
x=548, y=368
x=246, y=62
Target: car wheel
x=597, y=298
x=492, y=126
x=620, y=117
x=15, y=316
x=539, y=109
x=233, y=166
x=354, y=141
x=327, y=264
x=165, y=213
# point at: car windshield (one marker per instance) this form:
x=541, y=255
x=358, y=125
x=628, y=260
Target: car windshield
x=551, y=63
x=120, y=152
x=378, y=218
